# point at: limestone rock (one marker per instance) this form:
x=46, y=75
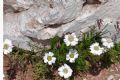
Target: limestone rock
x=43, y=19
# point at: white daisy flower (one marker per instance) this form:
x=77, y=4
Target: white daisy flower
x=48, y=58
x=107, y=21
x=72, y=55
x=96, y=49
x=7, y=46
x=71, y=39
x=107, y=42
x=65, y=71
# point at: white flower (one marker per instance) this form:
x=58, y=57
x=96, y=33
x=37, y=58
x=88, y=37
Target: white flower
x=7, y=46
x=107, y=21
x=96, y=49
x=48, y=58
x=72, y=55
x=65, y=71
x=71, y=39
x=107, y=42
x=3, y=75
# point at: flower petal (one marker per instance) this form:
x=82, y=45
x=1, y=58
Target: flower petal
x=50, y=54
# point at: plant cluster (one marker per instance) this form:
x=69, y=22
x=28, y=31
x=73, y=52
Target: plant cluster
x=68, y=55
x=71, y=54
x=20, y=58
x=40, y=71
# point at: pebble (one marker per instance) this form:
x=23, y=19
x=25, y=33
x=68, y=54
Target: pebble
x=111, y=77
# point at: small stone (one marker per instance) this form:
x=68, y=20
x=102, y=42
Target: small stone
x=103, y=1
x=111, y=77
x=84, y=79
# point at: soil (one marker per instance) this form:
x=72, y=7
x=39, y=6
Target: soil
x=112, y=73
x=18, y=73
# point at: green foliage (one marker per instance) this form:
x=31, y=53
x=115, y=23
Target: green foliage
x=81, y=64
x=86, y=59
x=112, y=56
x=22, y=58
x=117, y=47
x=40, y=71
x=59, y=49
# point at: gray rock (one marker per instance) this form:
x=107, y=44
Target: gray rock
x=43, y=19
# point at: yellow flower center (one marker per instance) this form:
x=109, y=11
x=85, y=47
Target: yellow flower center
x=65, y=70
x=6, y=46
x=71, y=55
x=49, y=58
x=70, y=38
x=96, y=48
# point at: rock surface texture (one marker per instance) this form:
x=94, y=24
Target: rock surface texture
x=30, y=21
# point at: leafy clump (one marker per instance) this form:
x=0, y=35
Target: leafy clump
x=86, y=60
x=40, y=71
x=22, y=57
